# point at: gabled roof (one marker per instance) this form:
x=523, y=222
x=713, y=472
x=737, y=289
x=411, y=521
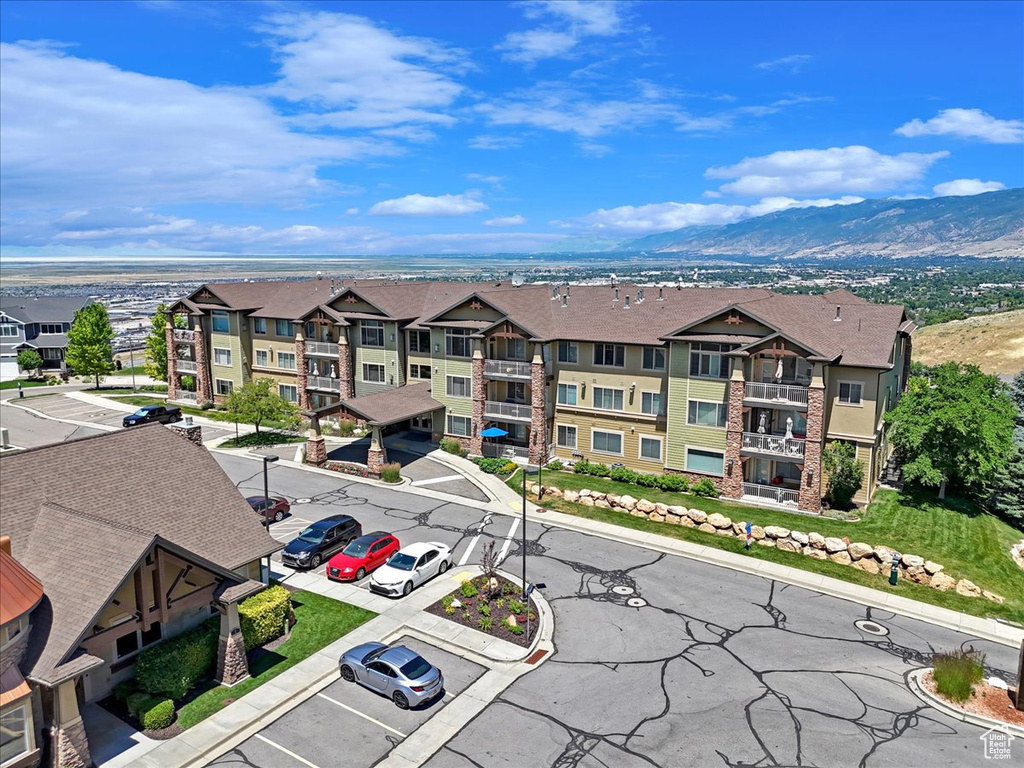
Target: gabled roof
x=474, y=295
x=389, y=406
x=42, y=309
x=20, y=591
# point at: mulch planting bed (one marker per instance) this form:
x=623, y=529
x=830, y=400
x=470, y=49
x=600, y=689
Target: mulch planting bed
x=987, y=700
x=475, y=601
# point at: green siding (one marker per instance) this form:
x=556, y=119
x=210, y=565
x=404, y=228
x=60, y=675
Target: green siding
x=380, y=356
x=443, y=367
x=681, y=389
x=231, y=341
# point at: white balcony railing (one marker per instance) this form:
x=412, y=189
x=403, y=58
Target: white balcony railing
x=507, y=369
x=771, y=493
x=775, y=393
x=183, y=396
x=185, y=335
x=499, y=450
x=325, y=383
x=186, y=366
x=322, y=348
x=776, y=445
x=507, y=411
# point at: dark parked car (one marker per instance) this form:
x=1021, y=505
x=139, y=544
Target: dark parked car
x=150, y=413
x=271, y=510
x=320, y=540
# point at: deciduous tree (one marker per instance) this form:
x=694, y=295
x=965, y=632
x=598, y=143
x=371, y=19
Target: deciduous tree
x=90, y=351
x=156, y=343
x=845, y=473
x=257, y=402
x=30, y=361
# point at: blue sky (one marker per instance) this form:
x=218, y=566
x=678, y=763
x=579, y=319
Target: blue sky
x=319, y=127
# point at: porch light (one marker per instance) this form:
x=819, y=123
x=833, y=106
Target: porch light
x=632, y=387
x=810, y=477
x=728, y=465
x=437, y=347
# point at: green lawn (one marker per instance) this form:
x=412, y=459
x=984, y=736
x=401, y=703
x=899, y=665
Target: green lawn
x=957, y=533
x=319, y=622
x=104, y=391
x=211, y=413
x=262, y=440
x=25, y=384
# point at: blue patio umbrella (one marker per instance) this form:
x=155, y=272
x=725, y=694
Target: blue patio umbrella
x=493, y=432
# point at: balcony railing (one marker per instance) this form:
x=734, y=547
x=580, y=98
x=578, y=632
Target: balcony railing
x=507, y=369
x=324, y=383
x=322, y=348
x=500, y=451
x=772, y=493
x=186, y=366
x=183, y=396
x=775, y=393
x=185, y=335
x=507, y=411
x=776, y=445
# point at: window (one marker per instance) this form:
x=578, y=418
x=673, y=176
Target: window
x=515, y=392
x=650, y=448
x=259, y=325
x=606, y=442
x=51, y=328
x=286, y=360
x=127, y=644
x=456, y=342
x=568, y=352
x=419, y=371
x=373, y=372
x=288, y=392
x=51, y=354
x=610, y=354
x=284, y=328
x=566, y=436
x=650, y=403
x=708, y=462
x=654, y=359
x=14, y=629
x=706, y=414
x=516, y=349
x=372, y=333
x=151, y=635
x=459, y=425
x=567, y=394
x=419, y=341
x=706, y=360
x=14, y=733
x=608, y=399
x=223, y=386
x=221, y=322
x=8, y=329
x=221, y=356
x=849, y=392
x=261, y=357
x=459, y=386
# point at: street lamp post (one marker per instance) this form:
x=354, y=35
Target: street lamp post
x=266, y=488
x=131, y=357
x=525, y=478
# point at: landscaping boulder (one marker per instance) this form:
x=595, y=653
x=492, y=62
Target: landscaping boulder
x=866, y=564
x=554, y=492
x=787, y=545
x=627, y=502
x=645, y=506
x=511, y=620
x=584, y=493
x=968, y=588
x=756, y=532
x=595, y=495
x=992, y=596
x=613, y=498
x=534, y=489
x=675, y=509
x=918, y=575
x=661, y=508
x=638, y=513
x=766, y=542
x=912, y=561
x=672, y=519
x=776, y=532
x=586, y=501
x=932, y=568
x=570, y=496
x=842, y=557
x=602, y=503
x=719, y=521
x=656, y=517
x=834, y=545
x=724, y=531
x=698, y=515
x=942, y=581
x=816, y=554
x=707, y=528
x=739, y=528
x=884, y=554
x=800, y=537
x=816, y=540
x=858, y=550
x=686, y=522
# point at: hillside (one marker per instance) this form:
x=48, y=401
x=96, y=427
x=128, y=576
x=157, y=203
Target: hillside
x=994, y=343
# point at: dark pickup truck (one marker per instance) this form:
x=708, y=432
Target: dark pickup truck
x=152, y=413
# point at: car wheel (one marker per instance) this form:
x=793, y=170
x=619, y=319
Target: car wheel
x=442, y=567
x=360, y=574
x=400, y=700
x=347, y=674
x=314, y=562
x=407, y=588
x=278, y=516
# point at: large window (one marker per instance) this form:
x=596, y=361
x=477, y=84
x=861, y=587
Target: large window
x=610, y=354
x=372, y=333
x=708, y=462
x=650, y=403
x=419, y=371
x=650, y=448
x=221, y=356
x=567, y=394
x=608, y=399
x=707, y=360
x=261, y=357
x=15, y=725
x=459, y=386
x=373, y=372
x=515, y=349
x=568, y=352
x=419, y=341
x=286, y=360
x=8, y=329
x=51, y=328
x=459, y=425
x=221, y=323
x=223, y=386
x=128, y=644
x=606, y=442
x=456, y=342
x=288, y=392
x=850, y=392
x=285, y=328
x=654, y=359
x=566, y=437
x=706, y=414
x=259, y=325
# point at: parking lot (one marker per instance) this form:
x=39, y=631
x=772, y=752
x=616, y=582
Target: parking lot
x=346, y=724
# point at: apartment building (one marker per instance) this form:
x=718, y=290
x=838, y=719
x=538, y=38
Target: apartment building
x=743, y=386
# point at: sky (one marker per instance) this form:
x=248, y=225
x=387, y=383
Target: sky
x=199, y=126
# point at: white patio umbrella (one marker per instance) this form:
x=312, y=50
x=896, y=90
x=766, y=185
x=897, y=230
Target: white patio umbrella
x=762, y=423
x=789, y=427
x=778, y=372
x=334, y=372
x=314, y=370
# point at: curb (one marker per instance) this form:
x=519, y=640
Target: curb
x=914, y=681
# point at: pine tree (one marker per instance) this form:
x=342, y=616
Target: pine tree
x=1006, y=498
x=90, y=351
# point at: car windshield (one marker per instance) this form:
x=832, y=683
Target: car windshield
x=141, y=412
x=415, y=668
x=373, y=654
x=312, y=535
x=357, y=548
x=402, y=561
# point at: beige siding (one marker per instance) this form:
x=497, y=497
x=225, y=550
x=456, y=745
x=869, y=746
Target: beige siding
x=631, y=429
x=864, y=454
x=851, y=420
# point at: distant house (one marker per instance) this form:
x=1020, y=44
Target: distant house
x=39, y=323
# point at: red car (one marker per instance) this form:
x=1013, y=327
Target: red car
x=272, y=510
x=361, y=556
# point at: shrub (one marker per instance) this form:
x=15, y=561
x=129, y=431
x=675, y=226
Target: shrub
x=508, y=588
x=491, y=466
x=623, y=475
x=123, y=690
x=647, y=481
x=391, y=473
x=447, y=600
x=346, y=427
x=704, y=487
x=159, y=713
x=555, y=465
x=516, y=606
x=581, y=468
x=137, y=703
x=264, y=616
x=450, y=445
x=173, y=667
x=485, y=623
x=449, y=609
x=673, y=483
x=845, y=473
x=508, y=468
x=484, y=608
x=469, y=589
x=957, y=673
x=515, y=629
x=599, y=470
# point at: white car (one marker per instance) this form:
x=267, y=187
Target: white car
x=409, y=567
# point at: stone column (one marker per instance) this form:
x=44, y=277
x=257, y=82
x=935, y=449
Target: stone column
x=232, y=665
x=810, y=483
x=172, y=358
x=204, y=382
x=732, y=482
x=316, y=449
x=191, y=432
x=476, y=441
x=377, y=456
x=348, y=388
x=300, y=367
x=70, y=744
x=538, y=450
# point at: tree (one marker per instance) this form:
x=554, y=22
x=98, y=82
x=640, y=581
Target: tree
x=1007, y=491
x=257, y=401
x=30, y=360
x=89, y=343
x=954, y=427
x=845, y=473
x=156, y=343
x=1017, y=391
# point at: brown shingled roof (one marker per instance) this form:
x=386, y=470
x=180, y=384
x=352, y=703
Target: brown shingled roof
x=393, y=405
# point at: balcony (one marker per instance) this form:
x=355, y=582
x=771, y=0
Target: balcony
x=185, y=366
x=502, y=451
x=773, y=494
x=513, y=411
x=184, y=336
x=324, y=384
x=774, y=445
x=777, y=394
x=184, y=397
x=508, y=369
x=322, y=348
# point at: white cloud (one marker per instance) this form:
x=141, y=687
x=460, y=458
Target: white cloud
x=964, y=187
x=823, y=171
x=537, y=44
x=495, y=142
x=564, y=25
x=494, y=181
x=351, y=211
x=793, y=63
x=967, y=124
x=506, y=221
x=594, y=149
x=424, y=205
x=776, y=204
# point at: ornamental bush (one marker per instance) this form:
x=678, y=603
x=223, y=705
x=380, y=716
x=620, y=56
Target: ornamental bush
x=391, y=473
x=137, y=703
x=491, y=466
x=174, y=667
x=123, y=690
x=555, y=465
x=158, y=714
x=581, y=467
x=646, y=481
x=956, y=673
x=450, y=445
x=673, y=483
x=623, y=475
x=704, y=487
x=264, y=617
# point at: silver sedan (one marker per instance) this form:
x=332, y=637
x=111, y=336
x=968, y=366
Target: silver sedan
x=402, y=675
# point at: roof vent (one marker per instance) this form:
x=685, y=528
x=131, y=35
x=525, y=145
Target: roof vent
x=554, y=292
x=616, y=295
x=613, y=278
x=565, y=299
x=639, y=295
x=626, y=305
x=837, y=318
x=661, y=293
x=566, y=289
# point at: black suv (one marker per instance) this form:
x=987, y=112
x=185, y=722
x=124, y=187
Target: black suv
x=320, y=540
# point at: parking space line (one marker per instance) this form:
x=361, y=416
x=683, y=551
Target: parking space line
x=475, y=539
x=362, y=715
x=508, y=540
x=287, y=751
x=432, y=480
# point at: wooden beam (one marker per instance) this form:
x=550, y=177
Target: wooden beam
x=140, y=599
x=158, y=587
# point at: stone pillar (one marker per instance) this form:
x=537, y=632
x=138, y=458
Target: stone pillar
x=172, y=357
x=191, y=432
x=538, y=450
x=316, y=449
x=476, y=441
x=348, y=388
x=204, y=382
x=300, y=367
x=732, y=481
x=70, y=744
x=377, y=456
x=232, y=665
x=810, y=482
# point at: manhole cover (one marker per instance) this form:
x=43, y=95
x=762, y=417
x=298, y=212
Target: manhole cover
x=871, y=627
x=303, y=501
x=636, y=602
x=623, y=590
